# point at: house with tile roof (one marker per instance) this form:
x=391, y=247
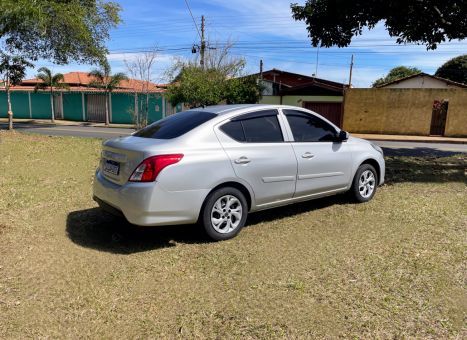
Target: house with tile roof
x=423, y=81
x=322, y=96
x=83, y=103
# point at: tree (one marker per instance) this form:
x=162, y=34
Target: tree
x=396, y=73
x=14, y=70
x=428, y=22
x=223, y=78
x=454, y=69
x=49, y=80
x=141, y=67
x=105, y=81
x=244, y=90
x=58, y=30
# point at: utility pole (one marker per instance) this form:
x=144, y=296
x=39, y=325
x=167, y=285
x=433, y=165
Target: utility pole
x=261, y=68
x=203, y=43
x=317, y=56
x=350, y=79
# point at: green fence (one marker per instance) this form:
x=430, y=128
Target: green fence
x=121, y=104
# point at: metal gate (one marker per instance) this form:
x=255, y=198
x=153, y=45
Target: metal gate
x=96, y=107
x=58, y=106
x=438, y=121
x=330, y=111
x=169, y=109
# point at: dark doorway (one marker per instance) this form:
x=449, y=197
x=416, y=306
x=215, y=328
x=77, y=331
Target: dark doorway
x=438, y=119
x=330, y=111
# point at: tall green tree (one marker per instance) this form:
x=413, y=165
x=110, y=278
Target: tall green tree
x=454, y=69
x=429, y=22
x=105, y=81
x=50, y=81
x=13, y=69
x=396, y=73
x=58, y=30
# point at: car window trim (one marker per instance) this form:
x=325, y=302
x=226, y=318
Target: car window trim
x=258, y=114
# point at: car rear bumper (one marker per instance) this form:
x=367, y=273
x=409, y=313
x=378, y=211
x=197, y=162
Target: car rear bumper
x=148, y=204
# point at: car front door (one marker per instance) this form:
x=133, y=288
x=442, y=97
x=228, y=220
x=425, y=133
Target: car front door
x=323, y=164
x=259, y=155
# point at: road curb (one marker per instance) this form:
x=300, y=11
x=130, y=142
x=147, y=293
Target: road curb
x=416, y=141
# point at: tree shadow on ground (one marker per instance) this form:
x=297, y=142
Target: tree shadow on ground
x=425, y=169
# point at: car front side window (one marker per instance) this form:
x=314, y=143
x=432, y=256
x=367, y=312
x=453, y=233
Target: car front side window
x=308, y=128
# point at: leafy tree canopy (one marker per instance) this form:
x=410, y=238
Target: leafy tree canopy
x=197, y=87
x=454, y=69
x=103, y=78
x=396, y=73
x=13, y=68
x=428, y=22
x=58, y=30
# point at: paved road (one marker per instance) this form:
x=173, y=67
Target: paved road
x=390, y=148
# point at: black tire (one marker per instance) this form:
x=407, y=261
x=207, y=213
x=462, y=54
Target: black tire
x=207, y=211
x=355, y=192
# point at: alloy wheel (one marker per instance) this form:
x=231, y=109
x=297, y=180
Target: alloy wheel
x=226, y=214
x=366, y=184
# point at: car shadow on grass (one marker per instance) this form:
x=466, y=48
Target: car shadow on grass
x=96, y=229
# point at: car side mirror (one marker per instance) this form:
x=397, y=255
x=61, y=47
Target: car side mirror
x=343, y=136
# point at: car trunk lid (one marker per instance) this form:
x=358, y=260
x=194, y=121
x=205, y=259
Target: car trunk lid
x=120, y=157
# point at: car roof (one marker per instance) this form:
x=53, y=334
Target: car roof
x=223, y=109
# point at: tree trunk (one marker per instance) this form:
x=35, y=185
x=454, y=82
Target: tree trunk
x=107, y=109
x=10, y=113
x=52, y=105
x=136, y=116
x=147, y=110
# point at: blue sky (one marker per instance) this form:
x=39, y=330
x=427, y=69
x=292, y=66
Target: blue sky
x=264, y=30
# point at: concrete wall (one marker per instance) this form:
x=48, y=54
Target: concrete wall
x=298, y=100
x=420, y=82
x=403, y=111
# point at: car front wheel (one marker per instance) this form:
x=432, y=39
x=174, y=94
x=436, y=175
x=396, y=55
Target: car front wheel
x=224, y=213
x=364, y=183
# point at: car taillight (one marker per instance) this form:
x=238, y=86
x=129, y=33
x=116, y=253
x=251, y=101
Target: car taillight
x=148, y=170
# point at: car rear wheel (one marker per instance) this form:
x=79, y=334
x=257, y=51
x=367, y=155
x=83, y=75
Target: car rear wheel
x=224, y=213
x=364, y=184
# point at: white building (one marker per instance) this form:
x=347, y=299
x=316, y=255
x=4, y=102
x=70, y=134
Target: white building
x=423, y=81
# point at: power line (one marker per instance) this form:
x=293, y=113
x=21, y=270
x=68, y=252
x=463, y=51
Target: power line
x=193, y=19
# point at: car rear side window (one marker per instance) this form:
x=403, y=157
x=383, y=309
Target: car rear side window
x=308, y=128
x=175, y=125
x=262, y=130
x=255, y=127
x=234, y=130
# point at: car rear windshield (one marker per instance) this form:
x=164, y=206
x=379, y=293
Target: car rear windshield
x=175, y=125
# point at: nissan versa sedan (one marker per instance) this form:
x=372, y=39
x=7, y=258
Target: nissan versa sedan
x=214, y=165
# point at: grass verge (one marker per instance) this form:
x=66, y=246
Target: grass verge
x=394, y=268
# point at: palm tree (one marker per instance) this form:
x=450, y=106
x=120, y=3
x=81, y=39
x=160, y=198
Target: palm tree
x=104, y=80
x=52, y=81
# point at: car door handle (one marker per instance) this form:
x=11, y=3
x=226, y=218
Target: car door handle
x=242, y=160
x=308, y=155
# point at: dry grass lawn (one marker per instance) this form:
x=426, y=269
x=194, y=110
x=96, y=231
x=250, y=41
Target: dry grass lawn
x=394, y=268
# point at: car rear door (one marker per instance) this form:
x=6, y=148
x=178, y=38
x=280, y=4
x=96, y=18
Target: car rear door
x=256, y=148
x=323, y=164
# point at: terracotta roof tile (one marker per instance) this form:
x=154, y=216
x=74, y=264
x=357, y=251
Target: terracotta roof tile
x=81, y=79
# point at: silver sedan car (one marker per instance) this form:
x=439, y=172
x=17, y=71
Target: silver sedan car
x=217, y=164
